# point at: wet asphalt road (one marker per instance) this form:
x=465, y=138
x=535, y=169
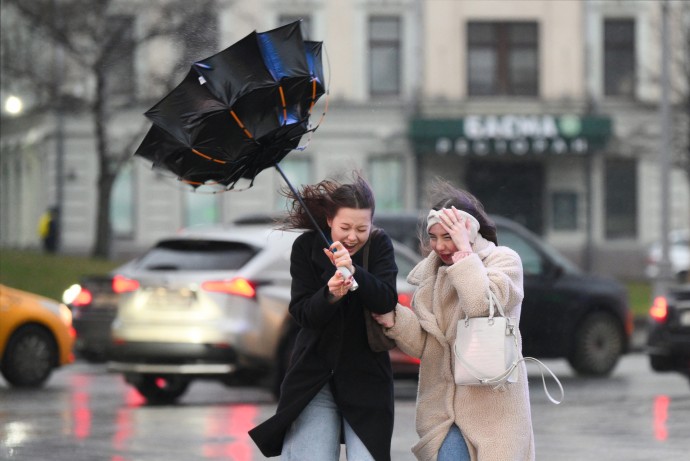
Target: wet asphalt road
x=85, y=413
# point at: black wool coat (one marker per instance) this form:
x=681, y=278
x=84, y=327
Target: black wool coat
x=332, y=348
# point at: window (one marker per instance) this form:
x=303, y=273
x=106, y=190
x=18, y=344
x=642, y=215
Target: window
x=122, y=204
x=621, y=198
x=298, y=171
x=386, y=176
x=384, y=55
x=503, y=58
x=201, y=207
x=119, y=57
x=305, y=26
x=619, y=57
x=564, y=211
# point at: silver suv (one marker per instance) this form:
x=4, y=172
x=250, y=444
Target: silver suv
x=211, y=303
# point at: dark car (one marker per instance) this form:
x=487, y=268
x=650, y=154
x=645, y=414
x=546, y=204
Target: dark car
x=94, y=303
x=668, y=340
x=566, y=313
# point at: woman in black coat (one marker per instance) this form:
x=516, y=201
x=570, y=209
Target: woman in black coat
x=335, y=384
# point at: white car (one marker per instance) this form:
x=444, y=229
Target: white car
x=678, y=253
x=213, y=303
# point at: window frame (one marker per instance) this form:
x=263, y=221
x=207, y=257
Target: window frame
x=395, y=45
x=502, y=48
x=611, y=67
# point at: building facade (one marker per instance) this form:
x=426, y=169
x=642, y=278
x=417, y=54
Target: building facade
x=547, y=111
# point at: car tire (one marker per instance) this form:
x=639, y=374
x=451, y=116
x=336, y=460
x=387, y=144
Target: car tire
x=599, y=343
x=660, y=362
x=30, y=357
x=161, y=390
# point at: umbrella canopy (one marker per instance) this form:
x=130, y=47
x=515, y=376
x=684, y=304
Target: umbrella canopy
x=239, y=111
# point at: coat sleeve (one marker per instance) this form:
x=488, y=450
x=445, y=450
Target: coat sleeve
x=500, y=272
x=309, y=304
x=407, y=332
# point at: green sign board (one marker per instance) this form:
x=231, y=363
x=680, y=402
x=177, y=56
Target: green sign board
x=511, y=135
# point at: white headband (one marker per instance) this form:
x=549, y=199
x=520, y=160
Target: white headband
x=434, y=217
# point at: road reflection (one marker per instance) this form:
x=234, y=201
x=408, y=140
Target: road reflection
x=226, y=428
x=661, y=404
x=220, y=432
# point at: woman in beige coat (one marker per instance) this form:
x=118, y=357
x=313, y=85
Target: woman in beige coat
x=452, y=281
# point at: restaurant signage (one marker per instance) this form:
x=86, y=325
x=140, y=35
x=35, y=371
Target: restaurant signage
x=515, y=135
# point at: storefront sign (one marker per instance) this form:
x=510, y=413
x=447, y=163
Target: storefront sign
x=515, y=135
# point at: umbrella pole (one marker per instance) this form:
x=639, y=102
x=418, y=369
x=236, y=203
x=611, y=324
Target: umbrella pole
x=304, y=206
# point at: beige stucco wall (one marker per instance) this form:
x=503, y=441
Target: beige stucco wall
x=561, y=57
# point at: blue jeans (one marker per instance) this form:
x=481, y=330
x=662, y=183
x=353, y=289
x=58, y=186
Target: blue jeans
x=315, y=434
x=454, y=447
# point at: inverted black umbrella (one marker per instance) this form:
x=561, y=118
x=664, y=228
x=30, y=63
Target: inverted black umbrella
x=239, y=111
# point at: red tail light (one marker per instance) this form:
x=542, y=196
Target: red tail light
x=405, y=299
x=659, y=309
x=83, y=298
x=122, y=284
x=237, y=286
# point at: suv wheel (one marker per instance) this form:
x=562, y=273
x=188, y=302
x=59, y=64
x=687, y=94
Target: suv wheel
x=30, y=357
x=599, y=344
x=160, y=390
x=660, y=362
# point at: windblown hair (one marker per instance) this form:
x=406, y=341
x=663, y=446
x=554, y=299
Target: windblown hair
x=323, y=200
x=444, y=195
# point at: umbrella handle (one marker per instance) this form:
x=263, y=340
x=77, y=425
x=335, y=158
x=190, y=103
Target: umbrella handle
x=347, y=274
x=343, y=270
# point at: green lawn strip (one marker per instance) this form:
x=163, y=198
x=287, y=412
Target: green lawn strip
x=640, y=297
x=46, y=274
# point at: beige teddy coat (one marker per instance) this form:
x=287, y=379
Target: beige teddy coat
x=496, y=423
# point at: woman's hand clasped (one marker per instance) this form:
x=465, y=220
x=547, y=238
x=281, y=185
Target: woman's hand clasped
x=338, y=285
x=386, y=320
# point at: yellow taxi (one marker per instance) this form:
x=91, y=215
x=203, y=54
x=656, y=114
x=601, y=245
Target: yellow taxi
x=36, y=336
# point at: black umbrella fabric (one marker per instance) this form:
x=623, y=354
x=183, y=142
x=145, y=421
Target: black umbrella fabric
x=239, y=111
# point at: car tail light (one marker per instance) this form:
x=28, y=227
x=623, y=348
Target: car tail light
x=659, y=309
x=237, y=286
x=405, y=299
x=77, y=296
x=122, y=284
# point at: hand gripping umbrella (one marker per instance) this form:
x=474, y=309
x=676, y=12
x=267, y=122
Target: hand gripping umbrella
x=239, y=111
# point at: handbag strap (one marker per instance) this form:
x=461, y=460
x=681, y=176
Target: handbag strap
x=493, y=305
x=365, y=250
x=543, y=367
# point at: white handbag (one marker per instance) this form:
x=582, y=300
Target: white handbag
x=486, y=351
x=486, y=348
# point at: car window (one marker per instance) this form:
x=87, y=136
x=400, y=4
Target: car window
x=532, y=263
x=197, y=255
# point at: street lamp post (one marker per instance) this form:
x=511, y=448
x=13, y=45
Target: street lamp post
x=664, y=276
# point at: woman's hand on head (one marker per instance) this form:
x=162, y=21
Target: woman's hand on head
x=458, y=228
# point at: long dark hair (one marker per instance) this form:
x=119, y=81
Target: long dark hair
x=323, y=200
x=446, y=195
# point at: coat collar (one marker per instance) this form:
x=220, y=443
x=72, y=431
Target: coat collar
x=425, y=276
